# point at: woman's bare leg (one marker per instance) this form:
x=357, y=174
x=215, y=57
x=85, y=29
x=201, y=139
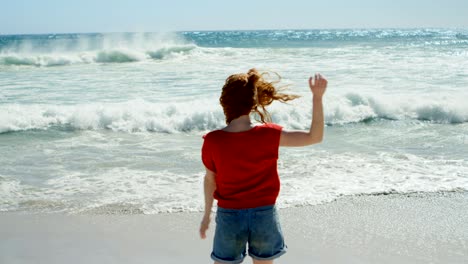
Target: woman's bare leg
x=256, y=261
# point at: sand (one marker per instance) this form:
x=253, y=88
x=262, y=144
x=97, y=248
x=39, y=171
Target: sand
x=394, y=228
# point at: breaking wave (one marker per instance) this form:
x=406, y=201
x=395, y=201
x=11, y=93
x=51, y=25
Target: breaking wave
x=43, y=50
x=140, y=115
x=102, y=56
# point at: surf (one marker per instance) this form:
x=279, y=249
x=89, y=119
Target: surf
x=68, y=49
x=186, y=117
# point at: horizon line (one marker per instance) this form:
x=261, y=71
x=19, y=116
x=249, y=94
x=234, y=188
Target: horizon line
x=233, y=30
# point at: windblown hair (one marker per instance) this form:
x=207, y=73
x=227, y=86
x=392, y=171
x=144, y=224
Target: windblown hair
x=244, y=93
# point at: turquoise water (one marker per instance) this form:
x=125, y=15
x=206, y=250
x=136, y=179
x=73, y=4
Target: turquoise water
x=113, y=122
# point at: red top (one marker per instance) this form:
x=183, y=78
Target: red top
x=245, y=164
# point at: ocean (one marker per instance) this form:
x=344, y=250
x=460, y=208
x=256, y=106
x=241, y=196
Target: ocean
x=112, y=123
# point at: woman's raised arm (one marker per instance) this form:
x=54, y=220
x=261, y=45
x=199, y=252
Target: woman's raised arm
x=318, y=85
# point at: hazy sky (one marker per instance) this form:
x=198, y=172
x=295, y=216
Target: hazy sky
x=62, y=16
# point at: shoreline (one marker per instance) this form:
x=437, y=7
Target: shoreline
x=391, y=228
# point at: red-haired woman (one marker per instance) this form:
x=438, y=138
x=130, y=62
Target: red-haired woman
x=241, y=168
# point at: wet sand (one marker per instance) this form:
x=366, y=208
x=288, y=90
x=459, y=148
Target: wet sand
x=394, y=228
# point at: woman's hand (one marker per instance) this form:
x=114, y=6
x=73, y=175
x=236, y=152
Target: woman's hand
x=209, y=184
x=204, y=225
x=318, y=85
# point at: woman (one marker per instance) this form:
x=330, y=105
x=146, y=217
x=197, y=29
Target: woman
x=241, y=168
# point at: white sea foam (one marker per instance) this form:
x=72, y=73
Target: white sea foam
x=130, y=116
x=202, y=115
x=10, y=190
x=307, y=178
x=110, y=48
x=117, y=190
x=325, y=176
x=118, y=55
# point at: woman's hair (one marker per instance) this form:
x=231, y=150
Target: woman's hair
x=244, y=93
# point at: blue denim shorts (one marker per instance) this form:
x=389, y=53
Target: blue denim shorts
x=259, y=228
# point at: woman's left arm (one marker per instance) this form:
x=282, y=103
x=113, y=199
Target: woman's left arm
x=209, y=188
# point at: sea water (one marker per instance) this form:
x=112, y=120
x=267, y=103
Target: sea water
x=113, y=123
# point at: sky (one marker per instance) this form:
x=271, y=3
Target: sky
x=76, y=16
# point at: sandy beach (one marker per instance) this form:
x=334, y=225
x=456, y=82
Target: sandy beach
x=393, y=228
